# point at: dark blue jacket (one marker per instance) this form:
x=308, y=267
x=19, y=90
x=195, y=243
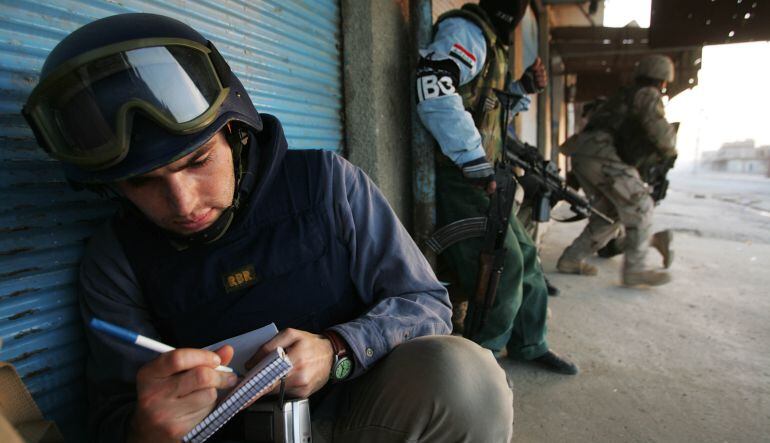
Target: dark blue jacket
x=324, y=250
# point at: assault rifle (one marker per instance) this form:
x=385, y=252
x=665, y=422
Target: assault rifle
x=492, y=228
x=655, y=176
x=542, y=181
x=493, y=250
x=654, y=167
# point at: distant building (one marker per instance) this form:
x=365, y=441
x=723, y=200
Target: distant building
x=738, y=157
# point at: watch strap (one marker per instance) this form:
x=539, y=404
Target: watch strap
x=339, y=346
x=340, y=357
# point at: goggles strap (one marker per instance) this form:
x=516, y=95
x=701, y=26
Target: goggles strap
x=220, y=65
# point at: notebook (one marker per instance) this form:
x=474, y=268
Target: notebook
x=255, y=383
x=246, y=345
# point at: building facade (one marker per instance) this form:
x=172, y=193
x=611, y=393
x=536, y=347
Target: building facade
x=740, y=157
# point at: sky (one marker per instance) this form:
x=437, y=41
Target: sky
x=732, y=99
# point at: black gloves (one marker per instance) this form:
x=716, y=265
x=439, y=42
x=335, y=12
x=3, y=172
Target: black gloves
x=534, y=78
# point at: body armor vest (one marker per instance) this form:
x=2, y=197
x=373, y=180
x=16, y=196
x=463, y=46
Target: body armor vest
x=280, y=261
x=478, y=96
x=617, y=118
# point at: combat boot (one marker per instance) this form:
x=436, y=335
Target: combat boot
x=556, y=363
x=662, y=242
x=553, y=291
x=645, y=278
x=566, y=266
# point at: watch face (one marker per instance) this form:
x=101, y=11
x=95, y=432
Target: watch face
x=342, y=368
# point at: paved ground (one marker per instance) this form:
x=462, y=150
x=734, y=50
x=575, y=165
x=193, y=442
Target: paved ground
x=687, y=362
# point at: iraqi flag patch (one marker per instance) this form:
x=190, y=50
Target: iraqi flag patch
x=463, y=55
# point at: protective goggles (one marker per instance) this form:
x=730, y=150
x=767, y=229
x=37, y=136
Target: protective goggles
x=82, y=113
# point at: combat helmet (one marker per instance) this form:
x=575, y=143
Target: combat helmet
x=656, y=67
x=129, y=93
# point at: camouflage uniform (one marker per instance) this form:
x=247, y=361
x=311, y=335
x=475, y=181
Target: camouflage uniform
x=614, y=185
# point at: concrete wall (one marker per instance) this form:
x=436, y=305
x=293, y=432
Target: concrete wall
x=377, y=60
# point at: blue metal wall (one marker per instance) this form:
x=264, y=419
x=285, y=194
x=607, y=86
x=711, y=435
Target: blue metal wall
x=287, y=54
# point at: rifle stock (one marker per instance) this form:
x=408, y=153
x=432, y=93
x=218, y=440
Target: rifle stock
x=487, y=282
x=486, y=261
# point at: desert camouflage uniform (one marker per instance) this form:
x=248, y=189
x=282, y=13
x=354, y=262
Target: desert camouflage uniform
x=615, y=186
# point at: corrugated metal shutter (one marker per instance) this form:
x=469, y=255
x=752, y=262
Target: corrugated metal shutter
x=287, y=53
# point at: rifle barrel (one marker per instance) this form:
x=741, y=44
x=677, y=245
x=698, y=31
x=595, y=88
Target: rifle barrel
x=601, y=215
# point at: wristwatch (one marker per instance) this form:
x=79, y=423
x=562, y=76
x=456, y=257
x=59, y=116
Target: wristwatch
x=342, y=364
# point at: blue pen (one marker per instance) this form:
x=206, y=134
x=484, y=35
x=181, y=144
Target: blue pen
x=139, y=340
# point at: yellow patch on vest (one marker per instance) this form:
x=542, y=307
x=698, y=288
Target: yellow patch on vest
x=240, y=278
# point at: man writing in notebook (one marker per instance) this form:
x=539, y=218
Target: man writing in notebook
x=222, y=230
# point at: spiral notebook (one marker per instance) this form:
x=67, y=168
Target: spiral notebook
x=258, y=380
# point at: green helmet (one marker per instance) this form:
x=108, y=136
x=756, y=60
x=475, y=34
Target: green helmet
x=656, y=67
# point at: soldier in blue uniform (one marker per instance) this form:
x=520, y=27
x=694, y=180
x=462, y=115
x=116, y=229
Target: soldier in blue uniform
x=143, y=108
x=456, y=78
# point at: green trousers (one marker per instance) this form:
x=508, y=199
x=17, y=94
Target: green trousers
x=517, y=317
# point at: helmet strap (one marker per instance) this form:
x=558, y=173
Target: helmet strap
x=245, y=160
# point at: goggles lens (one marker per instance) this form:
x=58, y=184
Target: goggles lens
x=86, y=114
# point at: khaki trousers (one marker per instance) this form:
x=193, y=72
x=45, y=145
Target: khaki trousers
x=616, y=189
x=430, y=389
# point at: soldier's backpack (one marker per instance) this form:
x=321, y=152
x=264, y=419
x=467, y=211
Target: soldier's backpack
x=616, y=117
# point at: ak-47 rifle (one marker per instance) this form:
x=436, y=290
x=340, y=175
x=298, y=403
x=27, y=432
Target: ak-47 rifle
x=492, y=228
x=493, y=250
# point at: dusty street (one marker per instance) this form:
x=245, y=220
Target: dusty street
x=687, y=362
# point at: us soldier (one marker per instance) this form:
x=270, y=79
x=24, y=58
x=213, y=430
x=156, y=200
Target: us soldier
x=456, y=76
x=622, y=135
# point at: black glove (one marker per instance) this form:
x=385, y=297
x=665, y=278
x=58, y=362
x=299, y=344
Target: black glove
x=479, y=172
x=531, y=185
x=528, y=81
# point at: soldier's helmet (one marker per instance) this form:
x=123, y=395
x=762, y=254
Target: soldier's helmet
x=657, y=67
x=130, y=93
